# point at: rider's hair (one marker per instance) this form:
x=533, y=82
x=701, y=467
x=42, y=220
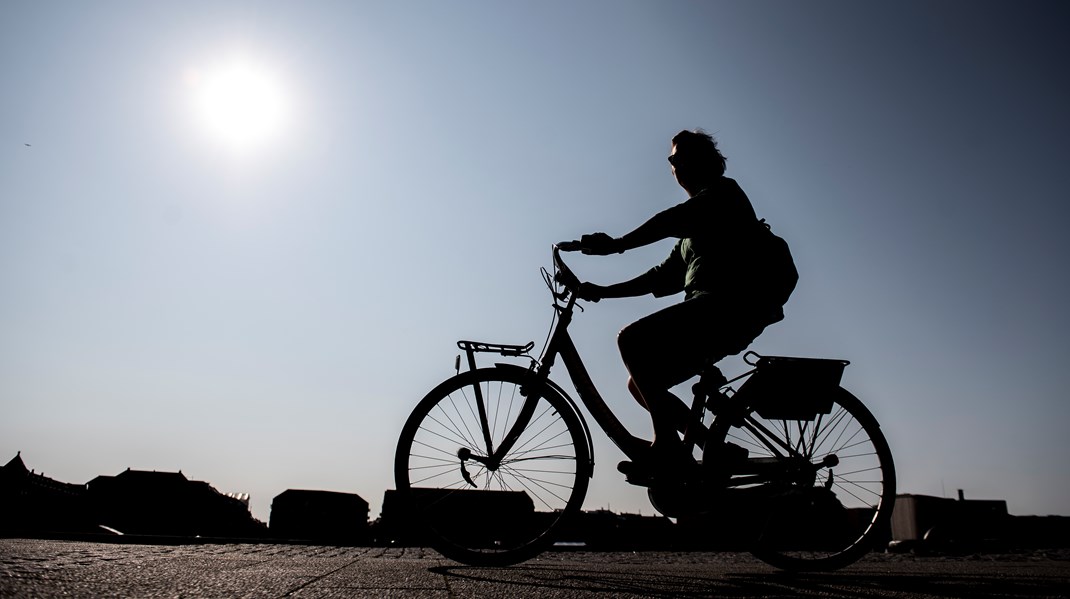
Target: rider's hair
x=702, y=147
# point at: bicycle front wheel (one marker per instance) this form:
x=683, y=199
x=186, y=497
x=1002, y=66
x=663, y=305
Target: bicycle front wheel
x=834, y=501
x=478, y=507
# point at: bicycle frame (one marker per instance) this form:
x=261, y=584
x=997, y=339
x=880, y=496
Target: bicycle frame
x=561, y=344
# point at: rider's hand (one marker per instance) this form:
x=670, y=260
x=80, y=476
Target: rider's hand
x=599, y=244
x=590, y=292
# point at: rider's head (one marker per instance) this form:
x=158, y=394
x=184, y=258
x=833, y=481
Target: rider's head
x=696, y=161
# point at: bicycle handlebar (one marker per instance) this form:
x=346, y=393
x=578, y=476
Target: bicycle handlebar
x=564, y=274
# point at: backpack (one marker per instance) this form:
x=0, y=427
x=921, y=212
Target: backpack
x=774, y=268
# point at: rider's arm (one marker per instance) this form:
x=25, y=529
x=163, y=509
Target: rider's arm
x=664, y=279
x=641, y=285
x=673, y=222
x=660, y=226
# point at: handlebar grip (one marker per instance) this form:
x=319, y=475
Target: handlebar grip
x=569, y=246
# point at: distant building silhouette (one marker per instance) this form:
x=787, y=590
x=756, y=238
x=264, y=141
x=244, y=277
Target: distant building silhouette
x=167, y=503
x=319, y=516
x=450, y=510
x=31, y=502
x=596, y=530
x=942, y=525
x=133, y=502
x=921, y=517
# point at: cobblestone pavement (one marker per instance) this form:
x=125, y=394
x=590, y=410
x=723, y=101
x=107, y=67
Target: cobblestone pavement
x=32, y=568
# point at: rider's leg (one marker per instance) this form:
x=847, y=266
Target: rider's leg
x=644, y=347
x=670, y=346
x=678, y=413
x=663, y=418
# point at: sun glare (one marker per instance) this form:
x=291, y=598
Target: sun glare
x=239, y=104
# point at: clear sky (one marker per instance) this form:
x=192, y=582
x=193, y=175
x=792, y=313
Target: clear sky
x=257, y=291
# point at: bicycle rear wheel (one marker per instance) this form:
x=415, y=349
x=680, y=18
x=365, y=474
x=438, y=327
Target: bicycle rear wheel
x=478, y=511
x=834, y=500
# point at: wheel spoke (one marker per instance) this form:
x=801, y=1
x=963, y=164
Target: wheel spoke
x=443, y=437
x=523, y=480
x=844, y=488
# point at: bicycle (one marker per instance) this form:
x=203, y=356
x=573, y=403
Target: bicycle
x=494, y=460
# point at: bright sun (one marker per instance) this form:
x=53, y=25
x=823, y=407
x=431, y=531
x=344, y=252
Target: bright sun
x=239, y=104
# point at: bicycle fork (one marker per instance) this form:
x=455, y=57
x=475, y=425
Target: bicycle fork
x=493, y=458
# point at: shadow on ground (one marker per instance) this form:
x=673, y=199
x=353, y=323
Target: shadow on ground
x=529, y=580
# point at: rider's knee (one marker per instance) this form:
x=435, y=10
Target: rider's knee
x=640, y=357
x=628, y=340
x=636, y=393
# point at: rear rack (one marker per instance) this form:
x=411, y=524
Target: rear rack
x=497, y=348
x=472, y=347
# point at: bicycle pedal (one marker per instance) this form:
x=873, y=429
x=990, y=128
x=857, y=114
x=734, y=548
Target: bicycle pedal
x=652, y=475
x=635, y=475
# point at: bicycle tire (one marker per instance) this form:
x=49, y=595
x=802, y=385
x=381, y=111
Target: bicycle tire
x=515, y=510
x=832, y=519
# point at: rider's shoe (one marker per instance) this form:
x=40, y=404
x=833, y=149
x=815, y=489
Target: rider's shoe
x=659, y=466
x=646, y=474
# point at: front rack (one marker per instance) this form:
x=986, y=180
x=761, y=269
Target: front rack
x=472, y=347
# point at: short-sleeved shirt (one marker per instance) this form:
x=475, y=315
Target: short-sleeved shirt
x=713, y=253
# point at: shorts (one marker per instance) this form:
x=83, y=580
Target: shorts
x=674, y=344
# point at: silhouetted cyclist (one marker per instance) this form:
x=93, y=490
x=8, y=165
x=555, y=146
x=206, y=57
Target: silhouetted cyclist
x=734, y=280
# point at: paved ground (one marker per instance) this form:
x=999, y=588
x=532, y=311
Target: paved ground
x=79, y=569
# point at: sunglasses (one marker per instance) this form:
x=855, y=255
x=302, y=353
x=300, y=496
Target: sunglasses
x=676, y=160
